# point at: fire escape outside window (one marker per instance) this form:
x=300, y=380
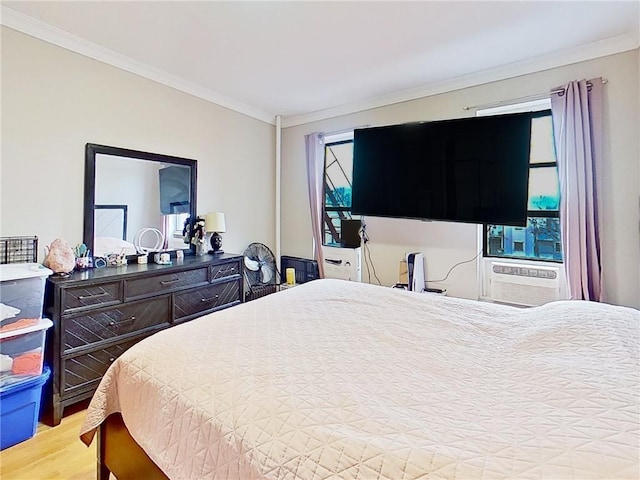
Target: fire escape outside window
x=338, y=171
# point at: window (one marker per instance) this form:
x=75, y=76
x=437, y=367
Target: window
x=338, y=168
x=540, y=239
x=174, y=225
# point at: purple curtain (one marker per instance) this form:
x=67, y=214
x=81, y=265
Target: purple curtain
x=315, y=179
x=577, y=128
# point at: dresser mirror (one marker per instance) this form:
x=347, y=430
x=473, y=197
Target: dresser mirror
x=136, y=201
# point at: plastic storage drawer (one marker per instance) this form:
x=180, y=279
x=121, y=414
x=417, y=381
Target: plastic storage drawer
x=22, y=291
x=20, y=409
x=22, y=351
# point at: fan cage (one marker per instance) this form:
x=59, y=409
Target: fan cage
x=259, y=289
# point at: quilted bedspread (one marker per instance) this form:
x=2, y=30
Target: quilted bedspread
x=333, y=379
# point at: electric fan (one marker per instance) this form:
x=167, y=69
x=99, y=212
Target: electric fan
x=260, y=268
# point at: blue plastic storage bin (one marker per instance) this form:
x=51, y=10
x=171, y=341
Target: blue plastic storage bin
x=19, y=410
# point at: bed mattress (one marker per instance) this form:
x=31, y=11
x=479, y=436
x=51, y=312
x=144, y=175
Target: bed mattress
x=335, y=379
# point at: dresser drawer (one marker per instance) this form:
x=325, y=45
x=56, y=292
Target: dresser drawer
x=99, y=313
x=164, y=282
x=225, y=270
x=85, y=371
x=75, y=298
x=207, y=298
x=97, y=326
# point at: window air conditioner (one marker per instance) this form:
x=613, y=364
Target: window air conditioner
x=524, y=284
x=342, y=263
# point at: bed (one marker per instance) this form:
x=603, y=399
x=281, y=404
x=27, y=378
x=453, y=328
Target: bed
x=336, y=379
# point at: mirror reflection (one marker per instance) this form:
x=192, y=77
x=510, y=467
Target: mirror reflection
x=139, y=205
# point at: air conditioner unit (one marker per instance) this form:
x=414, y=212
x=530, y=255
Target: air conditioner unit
x=524, y=284
x=342, y=263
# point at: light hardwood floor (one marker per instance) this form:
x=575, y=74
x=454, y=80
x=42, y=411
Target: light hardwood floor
x=53, y=453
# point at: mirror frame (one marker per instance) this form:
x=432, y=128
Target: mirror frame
x=92, y=149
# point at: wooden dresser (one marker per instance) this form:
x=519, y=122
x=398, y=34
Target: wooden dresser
x=100, y=313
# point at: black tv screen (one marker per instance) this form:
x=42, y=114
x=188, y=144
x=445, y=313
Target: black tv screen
x=473, y=170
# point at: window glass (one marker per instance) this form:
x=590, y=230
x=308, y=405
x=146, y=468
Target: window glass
x=542, y=149
x=338, y=171
x=540, y=239
x=331, y=227
x=544, y=191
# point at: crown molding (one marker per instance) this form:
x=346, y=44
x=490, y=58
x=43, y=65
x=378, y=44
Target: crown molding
x=602, y=48
x=30, y=26
x=35, y=28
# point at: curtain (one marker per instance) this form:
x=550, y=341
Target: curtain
x=577, y=126
x=315, y=180
x=166, y=231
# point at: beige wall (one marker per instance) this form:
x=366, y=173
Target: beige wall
x=445, y=244
x=55, y=101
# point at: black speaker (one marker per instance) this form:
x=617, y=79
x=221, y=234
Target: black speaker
x=350, y=233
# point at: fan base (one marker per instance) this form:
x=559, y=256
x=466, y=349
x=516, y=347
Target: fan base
x=215, y=252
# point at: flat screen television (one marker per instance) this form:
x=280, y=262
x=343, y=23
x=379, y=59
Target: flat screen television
x=473, y=170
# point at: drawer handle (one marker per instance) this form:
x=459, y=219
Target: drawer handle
x=111, y=360
x=203, y=300
x=169, y=282
x=122, y=322
x=226, y=271
x=95, y=295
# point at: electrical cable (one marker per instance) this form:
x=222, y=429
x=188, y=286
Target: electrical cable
x=366, y=262
x=365, y=239
x=367, y=251
x=451, y=269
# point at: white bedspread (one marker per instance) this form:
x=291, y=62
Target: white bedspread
x=334, y=379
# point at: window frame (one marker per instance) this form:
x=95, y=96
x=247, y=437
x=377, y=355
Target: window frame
x=329, y=141
x=530, y=213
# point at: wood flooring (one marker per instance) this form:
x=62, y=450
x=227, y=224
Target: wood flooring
x=54, y=453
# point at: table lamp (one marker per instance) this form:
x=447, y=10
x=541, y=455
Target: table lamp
x=214, y=222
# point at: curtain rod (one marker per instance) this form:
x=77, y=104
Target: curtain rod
x=345, y=130
x=537, y=96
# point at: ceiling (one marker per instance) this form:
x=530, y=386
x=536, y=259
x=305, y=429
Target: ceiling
x=307, y=60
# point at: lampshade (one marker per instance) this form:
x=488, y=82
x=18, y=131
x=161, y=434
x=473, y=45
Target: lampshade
x=214, y=222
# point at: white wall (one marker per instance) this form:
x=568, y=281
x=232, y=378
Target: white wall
x=445, y=244
x=55, y=101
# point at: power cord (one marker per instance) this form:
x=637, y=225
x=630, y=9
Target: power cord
x=451, y=269
x=367, y=252
x=365, y=239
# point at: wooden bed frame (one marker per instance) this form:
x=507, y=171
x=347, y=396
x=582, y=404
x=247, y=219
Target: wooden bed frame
x=119, y=454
